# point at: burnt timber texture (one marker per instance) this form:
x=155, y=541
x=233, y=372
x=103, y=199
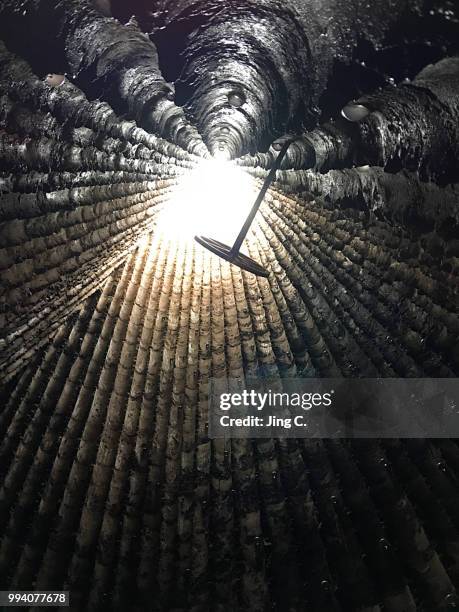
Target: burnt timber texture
x=110, y=331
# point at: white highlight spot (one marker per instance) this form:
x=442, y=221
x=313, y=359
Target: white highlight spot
x=212, y=200
x=55, y=80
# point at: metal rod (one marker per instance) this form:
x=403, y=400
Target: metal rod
x=268, y=180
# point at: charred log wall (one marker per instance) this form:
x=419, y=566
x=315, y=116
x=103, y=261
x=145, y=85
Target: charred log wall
x=112, y=488
x=110, y=330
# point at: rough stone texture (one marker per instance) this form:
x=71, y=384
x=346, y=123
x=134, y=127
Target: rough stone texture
x=109, y=485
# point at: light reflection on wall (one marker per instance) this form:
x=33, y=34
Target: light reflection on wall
x=212, y=200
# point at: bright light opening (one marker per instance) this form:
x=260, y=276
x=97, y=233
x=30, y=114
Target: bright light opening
x=212, y=200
